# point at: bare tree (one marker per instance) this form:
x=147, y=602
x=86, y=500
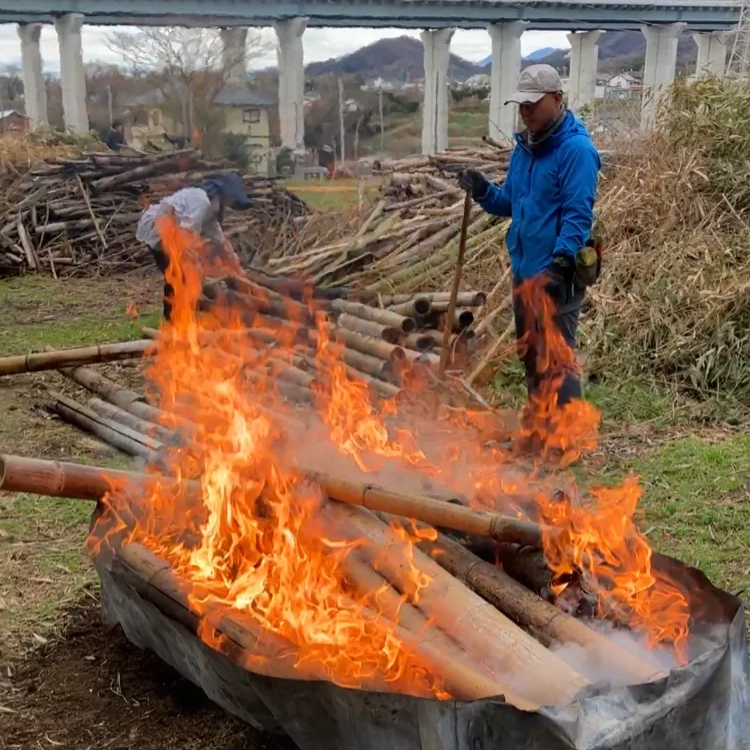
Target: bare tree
x=191, y=62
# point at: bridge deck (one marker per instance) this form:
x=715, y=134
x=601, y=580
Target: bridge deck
x=467, y=14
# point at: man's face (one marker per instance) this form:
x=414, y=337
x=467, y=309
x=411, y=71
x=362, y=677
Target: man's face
x=538, y=117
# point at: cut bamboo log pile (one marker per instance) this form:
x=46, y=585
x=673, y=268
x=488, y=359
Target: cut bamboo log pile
x=376, y=340
x=80, y=214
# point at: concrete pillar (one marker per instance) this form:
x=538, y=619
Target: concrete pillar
x=34, y=87
x=437, y=53
x=659, y=69
x=712, y=54
x=291, y=82
x=234, y=62
x=506, y=67
x=72, y=77
x=584, y=59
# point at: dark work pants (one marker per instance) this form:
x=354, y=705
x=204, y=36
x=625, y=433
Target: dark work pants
x=162, y=263
x=566, y=321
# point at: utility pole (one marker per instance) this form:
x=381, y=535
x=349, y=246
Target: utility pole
x=109, y=105
x=382, y=130
x=341, y=121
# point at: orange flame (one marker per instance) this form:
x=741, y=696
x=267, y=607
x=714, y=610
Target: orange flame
x=260, y=543
x=597, y=535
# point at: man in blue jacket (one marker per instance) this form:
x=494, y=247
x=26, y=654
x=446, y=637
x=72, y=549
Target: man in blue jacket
x=549, y=194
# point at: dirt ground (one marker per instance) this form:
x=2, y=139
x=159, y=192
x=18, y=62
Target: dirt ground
x=66, y=681
x=90, y=688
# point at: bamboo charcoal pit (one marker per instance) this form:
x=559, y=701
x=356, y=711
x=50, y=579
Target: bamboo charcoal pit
x=693, y=710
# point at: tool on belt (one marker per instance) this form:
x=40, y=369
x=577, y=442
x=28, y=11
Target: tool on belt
x=589, y=262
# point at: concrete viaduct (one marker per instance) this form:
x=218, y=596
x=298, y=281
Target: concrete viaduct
x=661, y=22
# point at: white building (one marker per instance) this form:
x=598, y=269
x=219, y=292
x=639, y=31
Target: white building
x=622, y=86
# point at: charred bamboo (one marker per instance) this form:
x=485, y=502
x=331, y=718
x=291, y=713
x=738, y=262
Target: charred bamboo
x=531, y=671
x=547, y=623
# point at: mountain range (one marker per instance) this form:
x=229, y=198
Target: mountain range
x=401, y=58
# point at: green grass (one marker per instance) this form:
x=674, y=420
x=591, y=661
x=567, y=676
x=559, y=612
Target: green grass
x=696, y=505
x=633, y=402
x=336, y=195
x=44, y=563
x=82, y=332
x=43, y=566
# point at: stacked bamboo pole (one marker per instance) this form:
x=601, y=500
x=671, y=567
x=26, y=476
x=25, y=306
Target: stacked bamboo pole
x=81, y=213
x=412, y=232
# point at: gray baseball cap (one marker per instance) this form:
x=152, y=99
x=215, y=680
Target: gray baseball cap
x=534, y=82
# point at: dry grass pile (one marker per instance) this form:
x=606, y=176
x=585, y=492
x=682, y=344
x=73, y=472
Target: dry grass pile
x=674, y=302
x=18, y=153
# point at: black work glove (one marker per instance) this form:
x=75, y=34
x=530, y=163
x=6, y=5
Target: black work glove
x=559, y=282
x=474, y=182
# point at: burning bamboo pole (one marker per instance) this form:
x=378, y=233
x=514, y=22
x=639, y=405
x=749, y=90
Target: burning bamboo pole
x=543, y=620
x=53, y=360
x=433, y=512
x=266, y=652
x=484, y=632
x=62, y=479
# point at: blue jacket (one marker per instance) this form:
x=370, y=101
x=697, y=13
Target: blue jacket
x=549, y=195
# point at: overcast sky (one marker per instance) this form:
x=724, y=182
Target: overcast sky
x=319, y=44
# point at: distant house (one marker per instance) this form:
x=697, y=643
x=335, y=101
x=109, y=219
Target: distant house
x=480, y=80
x=12, y=121
x=246, y=114
x=623, y=86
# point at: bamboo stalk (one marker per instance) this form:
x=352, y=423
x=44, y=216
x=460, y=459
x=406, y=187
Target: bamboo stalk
x=116, y=435
x=53, y=360
x=543, y=620
x=433, y=512
x=61, y=479
x=445, y=353
x=490, y=317
x=368, y=345
x=421, y=342
x=375, y=314
x=115, y=413
x=366, y=363
x=534, y=673
x=419, y=306
x=369, y=328
x=477, y=371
